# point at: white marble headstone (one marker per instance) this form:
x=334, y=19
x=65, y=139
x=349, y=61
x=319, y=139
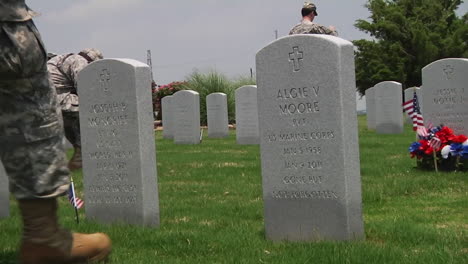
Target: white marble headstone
x=118, y=145
x=445, y=94
x=360, y=103
x=217, y=115
x=389, y=111
x=168, y=117
x=247, y=115
x=308, y=139
x=370, y=108
x=409, y=95
x=186, y=105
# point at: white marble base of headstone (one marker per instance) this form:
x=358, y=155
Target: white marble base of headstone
x=118, y=145
x=445, y=94
x=186, y=105
x=4, y=193
x=309, y=139
x=409, y=95
x=389, y=111
x=370, y=108
x=167, y=117
x=247, y=115
x=217, y=115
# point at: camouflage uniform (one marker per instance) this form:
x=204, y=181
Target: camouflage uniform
x=63, y=70
x=31, y=131
x=307, y=27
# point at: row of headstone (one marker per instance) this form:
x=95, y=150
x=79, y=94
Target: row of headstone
x=181, y=116
x=120, y=178
x=4, y=193
x=216, y=103
x=308, y=135
x=246, y=115
x=443, y=99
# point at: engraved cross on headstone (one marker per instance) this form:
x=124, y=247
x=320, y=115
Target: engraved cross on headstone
x=104, y=79
x=296, y=58
x=448, y=70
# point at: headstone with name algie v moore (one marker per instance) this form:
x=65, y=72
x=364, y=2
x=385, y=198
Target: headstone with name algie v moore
x=308, y=139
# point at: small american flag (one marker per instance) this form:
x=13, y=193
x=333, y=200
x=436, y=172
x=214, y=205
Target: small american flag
x=74, y=200
x=413, y=110
x=422, y=132
x=435, y=143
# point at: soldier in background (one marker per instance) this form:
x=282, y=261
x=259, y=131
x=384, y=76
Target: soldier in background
x=63, y=70
x=31, y=147
x=307, y=26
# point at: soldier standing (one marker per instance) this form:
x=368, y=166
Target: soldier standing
x=63, y=70
x=31, y=147
x=307, y=26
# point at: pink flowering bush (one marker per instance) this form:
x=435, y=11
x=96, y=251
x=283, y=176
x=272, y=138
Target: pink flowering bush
x=159, y=91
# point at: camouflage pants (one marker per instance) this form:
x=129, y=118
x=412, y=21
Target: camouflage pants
x=71, y=124
x=31, y=131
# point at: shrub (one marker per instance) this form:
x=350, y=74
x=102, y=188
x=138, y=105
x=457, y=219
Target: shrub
x=214, y=82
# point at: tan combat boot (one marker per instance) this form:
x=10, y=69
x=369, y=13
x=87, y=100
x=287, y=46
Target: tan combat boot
x=76, y=162
x=45, y=242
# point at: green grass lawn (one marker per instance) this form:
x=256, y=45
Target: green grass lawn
x=212, y=211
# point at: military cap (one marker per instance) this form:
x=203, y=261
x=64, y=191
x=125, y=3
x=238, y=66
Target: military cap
x=309, y=5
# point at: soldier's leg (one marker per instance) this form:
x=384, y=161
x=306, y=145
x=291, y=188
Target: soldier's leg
x=32, y=150
x=30, y=125
x=68, y=127
x=71, y=121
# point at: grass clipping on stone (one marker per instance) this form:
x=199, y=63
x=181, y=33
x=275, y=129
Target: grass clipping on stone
x=212, y=210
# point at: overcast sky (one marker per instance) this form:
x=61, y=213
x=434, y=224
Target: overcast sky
x=185, y=34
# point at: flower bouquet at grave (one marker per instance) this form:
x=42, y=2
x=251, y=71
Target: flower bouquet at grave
x=439, y=147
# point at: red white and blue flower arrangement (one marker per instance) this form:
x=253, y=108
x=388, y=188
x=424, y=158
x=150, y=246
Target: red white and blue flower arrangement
x=440, y=147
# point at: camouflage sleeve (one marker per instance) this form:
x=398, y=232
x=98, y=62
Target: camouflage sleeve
x=312, y=29
x=293, y=31
x=319, y=29
x=72, y=66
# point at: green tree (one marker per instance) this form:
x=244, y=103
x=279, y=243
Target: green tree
x=408, y=35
